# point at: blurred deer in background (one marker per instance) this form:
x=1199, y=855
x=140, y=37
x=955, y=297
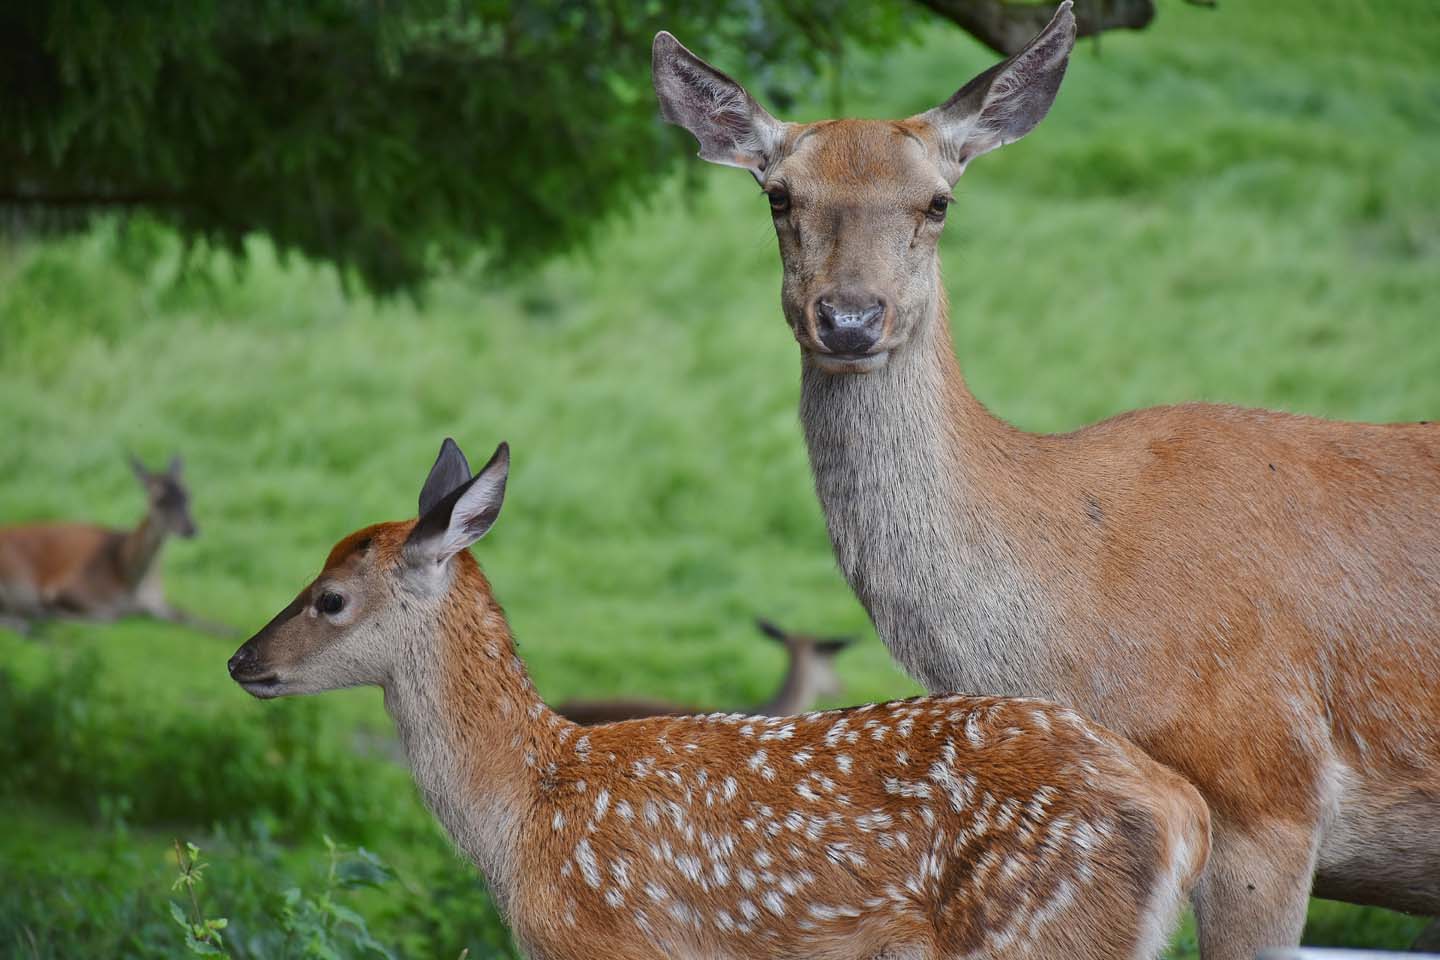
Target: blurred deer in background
x=1253, y=597
x=88, y=572
x=920, y=829
x=809, y=676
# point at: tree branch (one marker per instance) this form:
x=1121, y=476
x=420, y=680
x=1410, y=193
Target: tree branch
x=1007, y=27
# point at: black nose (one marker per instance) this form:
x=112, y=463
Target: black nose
x=849, y=324
x=243, y=662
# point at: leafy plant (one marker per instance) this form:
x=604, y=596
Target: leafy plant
x=202, y=933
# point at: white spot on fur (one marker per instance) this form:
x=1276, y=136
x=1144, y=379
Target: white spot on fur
x=585, y=860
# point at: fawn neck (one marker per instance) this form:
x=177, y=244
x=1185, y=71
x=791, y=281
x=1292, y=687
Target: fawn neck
x=934, y=508
x=140, y=548
x=476, y=733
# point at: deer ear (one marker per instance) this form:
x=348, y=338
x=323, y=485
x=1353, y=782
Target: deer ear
x=449, y=471
x=1005, y=102
x=138, y=468
x=770, y=629
x=176, y=465
x=732, y=128
x=463, y=516
x=833, y=645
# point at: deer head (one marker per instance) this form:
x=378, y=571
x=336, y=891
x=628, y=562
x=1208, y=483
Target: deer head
x=859, y=205
x=379, y=589
x=812, y=660
x=168, y=499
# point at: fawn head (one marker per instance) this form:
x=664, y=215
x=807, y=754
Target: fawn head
x=382, y=589
x=168, y=499
x=859, y=205
x=814, y=655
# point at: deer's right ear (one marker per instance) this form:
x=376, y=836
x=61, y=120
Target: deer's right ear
x=462, y=516
x=138, y=468
x=450, y=470
x=732, y=128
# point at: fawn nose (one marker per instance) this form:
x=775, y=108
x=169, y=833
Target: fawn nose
x=849, y=323
x=243, y=662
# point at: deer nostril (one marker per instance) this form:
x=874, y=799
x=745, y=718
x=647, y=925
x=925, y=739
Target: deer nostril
x=849, y=325
x=242, y=658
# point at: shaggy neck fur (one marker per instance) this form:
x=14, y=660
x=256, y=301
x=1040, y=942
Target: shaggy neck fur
x=475, y=730
x=141, y=548
x=933, y=505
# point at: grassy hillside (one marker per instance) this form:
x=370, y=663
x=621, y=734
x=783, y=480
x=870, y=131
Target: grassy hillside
x=1236, y=205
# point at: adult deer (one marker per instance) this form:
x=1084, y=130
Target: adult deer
x=90, y=572
x=925, y=828
x=809, y=675
x=1253, y=597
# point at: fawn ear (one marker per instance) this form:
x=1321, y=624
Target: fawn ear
x=176, y=465
x=450, y=470
x=732, y=128
x=462, y=516
x=833, y=645
x=770, y=629
x=1005, y=102
x=138, y=468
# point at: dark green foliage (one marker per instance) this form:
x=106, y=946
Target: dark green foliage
x=385, y=138
x=69, y=742
x=71, y=746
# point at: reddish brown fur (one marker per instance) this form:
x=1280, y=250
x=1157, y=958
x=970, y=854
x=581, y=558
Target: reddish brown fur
x=84, y=570
x=931, y=827
x=1253, y=597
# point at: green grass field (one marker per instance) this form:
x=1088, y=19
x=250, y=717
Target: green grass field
x=1236, y=205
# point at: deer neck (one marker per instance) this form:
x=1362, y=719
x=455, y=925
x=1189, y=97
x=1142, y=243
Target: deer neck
x=797, y=690
x=140, y=549
x=930, y=501
x=475, y=731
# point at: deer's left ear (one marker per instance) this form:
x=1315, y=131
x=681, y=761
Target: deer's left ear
x=463, y=516
x=733, y=129
x=1005, y=102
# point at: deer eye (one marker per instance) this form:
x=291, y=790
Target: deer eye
x=779, y=199
x=938, y=204
x=330, y=603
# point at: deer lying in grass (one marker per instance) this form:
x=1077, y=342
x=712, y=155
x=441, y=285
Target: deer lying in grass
x=809, y=675
x=1253, y=597
x=89, y=572
x=925, y=828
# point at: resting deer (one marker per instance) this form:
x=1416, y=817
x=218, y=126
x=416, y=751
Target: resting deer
x=925, y=828
x=1253, y=597
x=809, y=675
x=84, y=571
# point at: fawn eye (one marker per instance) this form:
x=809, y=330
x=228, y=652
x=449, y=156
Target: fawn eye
x=938, y=204
x=330, y=603
x=779, y=199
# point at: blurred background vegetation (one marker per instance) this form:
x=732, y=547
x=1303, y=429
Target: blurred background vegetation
x=1234, y=204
